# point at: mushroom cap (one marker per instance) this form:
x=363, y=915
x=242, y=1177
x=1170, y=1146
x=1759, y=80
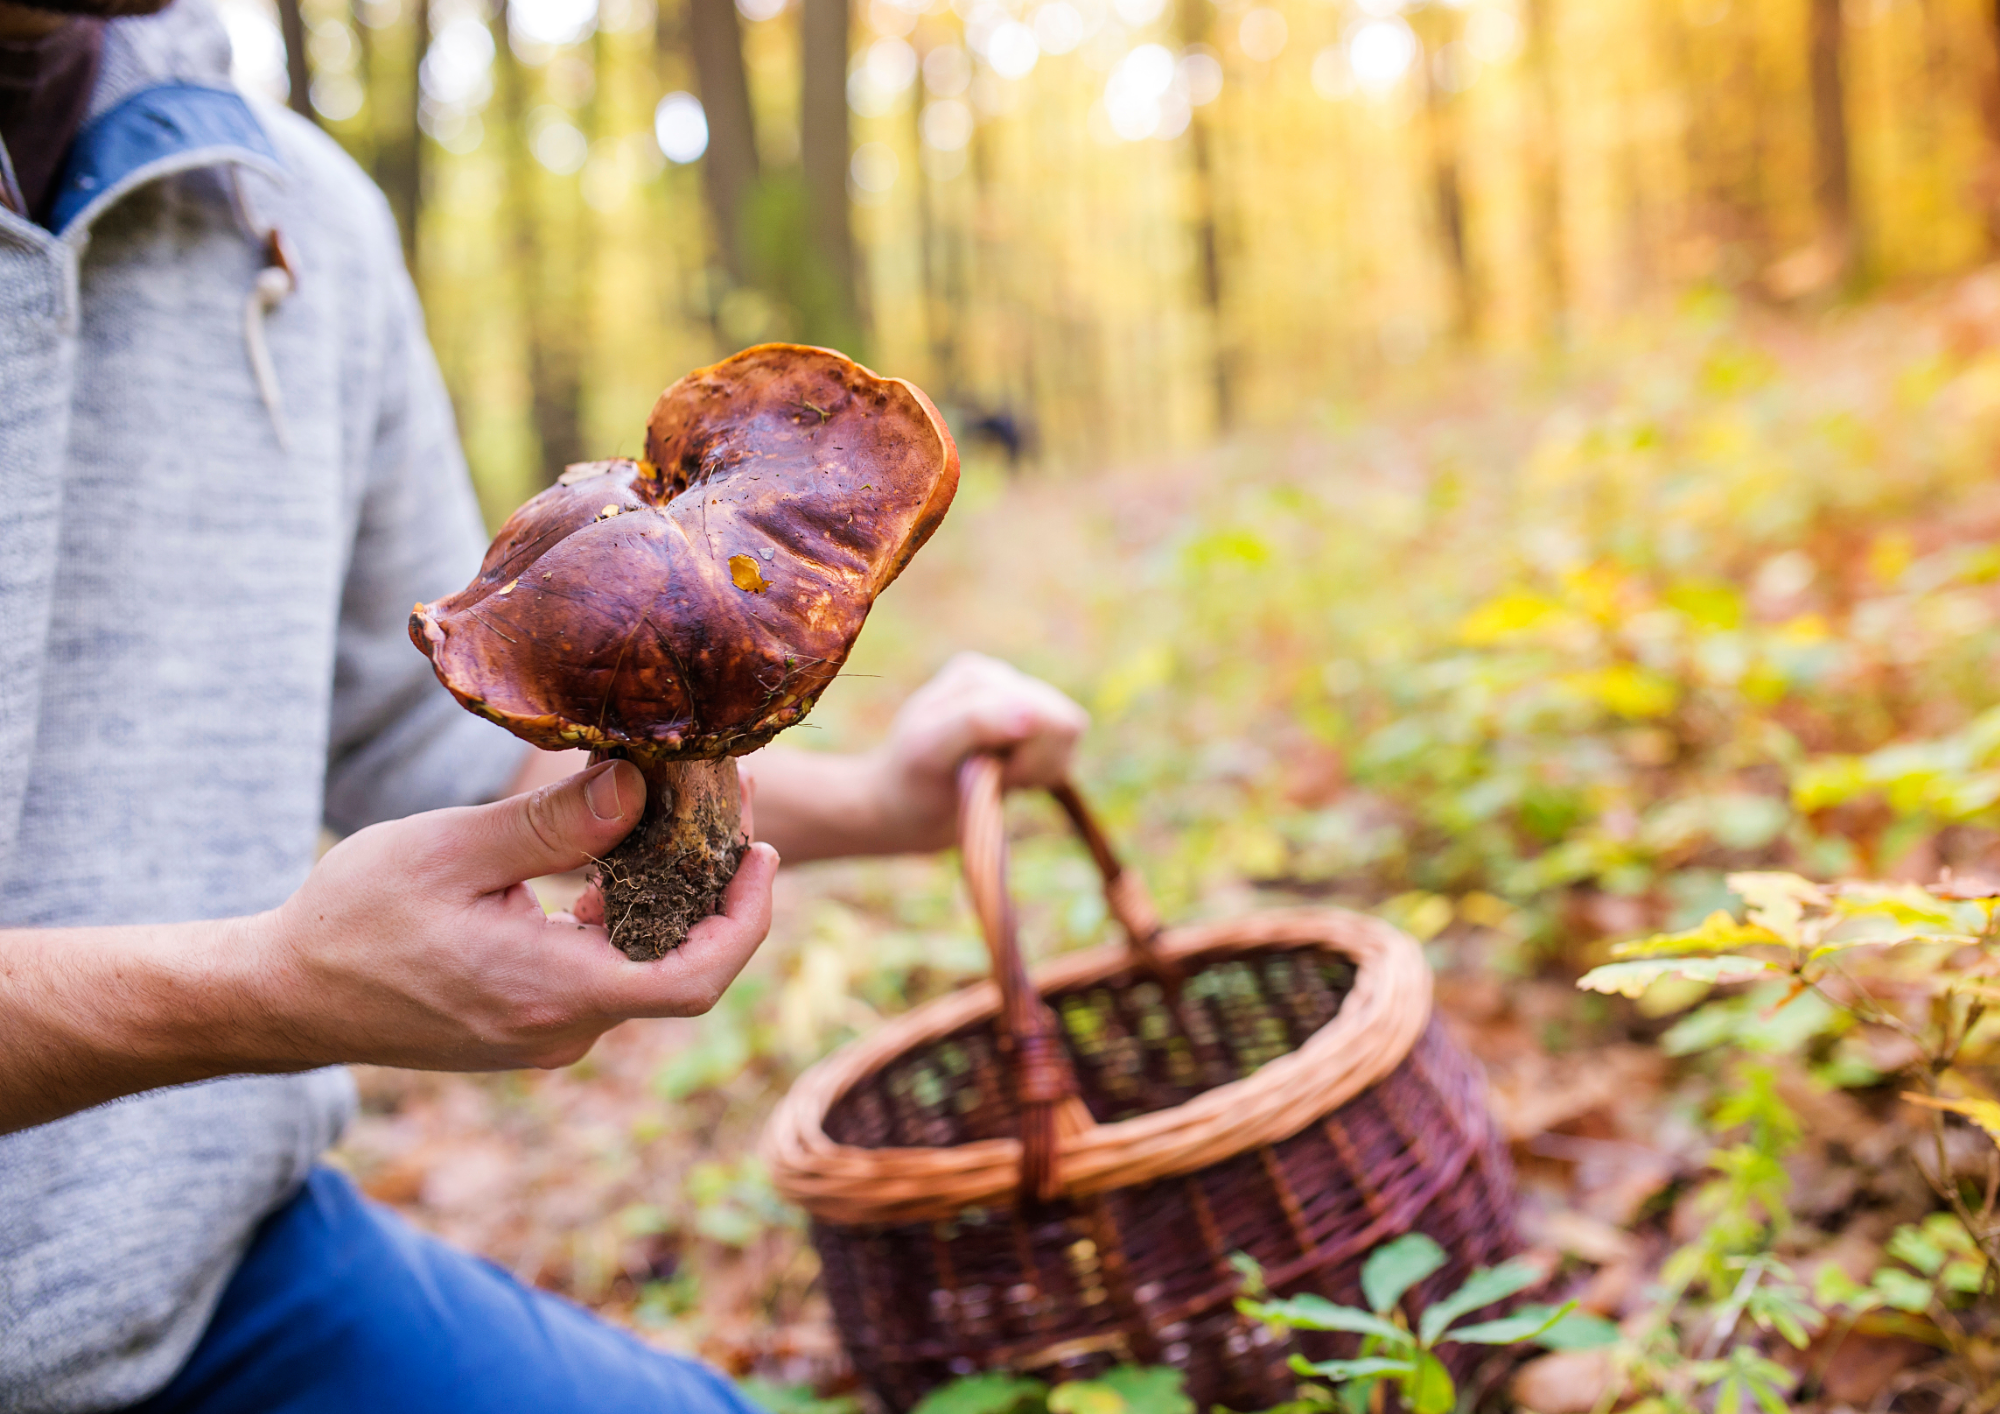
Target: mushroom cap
x=695, y=604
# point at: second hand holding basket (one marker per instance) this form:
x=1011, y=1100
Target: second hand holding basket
x=1051, y=1173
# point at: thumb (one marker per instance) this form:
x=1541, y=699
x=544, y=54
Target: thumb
x=554, y=829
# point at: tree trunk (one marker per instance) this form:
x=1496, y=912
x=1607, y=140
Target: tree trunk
x=399, y=156
x=941, y=310
x=1194, y=26
x=729, y=168
x=1545, y=168
x=1208, y=255
x=1739, y=117
x=1833, y=192
x=298, y=73
x=548, y=318
x=414, y=168
x=1697, y=204
x=1447, y=194
x=368, y=150
x=583, y=266
x=823, y=155
x=1987, y=177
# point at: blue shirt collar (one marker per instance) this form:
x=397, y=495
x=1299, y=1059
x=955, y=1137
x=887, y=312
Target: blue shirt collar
x=169, y=128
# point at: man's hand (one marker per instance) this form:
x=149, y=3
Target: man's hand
x=435, y=955
x=975, y=703
x=414, y=943
x=903, y=796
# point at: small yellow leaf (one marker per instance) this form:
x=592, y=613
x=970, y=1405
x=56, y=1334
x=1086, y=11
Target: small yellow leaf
x=1085, y=1397
x=1627, y=690
x=743, y=570
x=1984, y=1113
x=1514, y=612
x=1778, y=902
x=508, y=588
x=1717, y=933
x=1631, y=979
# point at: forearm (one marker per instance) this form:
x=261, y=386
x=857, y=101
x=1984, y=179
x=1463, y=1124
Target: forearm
x=90, y=1014
x=817, y=805
x=414, y=943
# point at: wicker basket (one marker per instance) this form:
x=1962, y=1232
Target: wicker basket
x=1051, y=1175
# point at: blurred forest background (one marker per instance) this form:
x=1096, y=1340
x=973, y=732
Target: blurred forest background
x=1508, y=465
x=1102, y=228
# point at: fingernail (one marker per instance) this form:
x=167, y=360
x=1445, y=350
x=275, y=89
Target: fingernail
x=601, y=793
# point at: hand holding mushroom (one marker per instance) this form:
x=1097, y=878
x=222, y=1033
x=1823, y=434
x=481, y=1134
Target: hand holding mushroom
x=684, y=609
x=416, y=943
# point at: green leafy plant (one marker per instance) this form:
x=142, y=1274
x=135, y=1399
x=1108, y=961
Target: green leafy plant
x=1742, y=1378
x=1125, y=1389
x=1400, y=1351
x=1935, y=1266
x=775, y=1398
x=1744, y=1216
x=733, y=1203
x=1935, y=1273
x=1922, y=965
x=1917, y=964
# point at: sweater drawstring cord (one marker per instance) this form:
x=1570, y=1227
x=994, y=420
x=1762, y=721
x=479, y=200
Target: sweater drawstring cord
x=274, y=283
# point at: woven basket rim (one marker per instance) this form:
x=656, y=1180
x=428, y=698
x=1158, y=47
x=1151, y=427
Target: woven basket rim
x=1378, y=1022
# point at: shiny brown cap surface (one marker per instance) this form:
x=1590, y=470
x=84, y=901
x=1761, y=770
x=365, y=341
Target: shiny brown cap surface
x=696, y=603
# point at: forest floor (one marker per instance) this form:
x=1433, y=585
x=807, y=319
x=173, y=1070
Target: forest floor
x=1524, y=659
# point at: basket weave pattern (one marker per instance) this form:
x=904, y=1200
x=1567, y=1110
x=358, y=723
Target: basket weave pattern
x=1271, y=1085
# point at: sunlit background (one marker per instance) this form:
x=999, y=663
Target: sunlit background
x=1501, y=465
x=1104, y=228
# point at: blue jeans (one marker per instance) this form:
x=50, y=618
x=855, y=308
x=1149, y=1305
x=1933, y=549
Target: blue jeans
x=341, y=1307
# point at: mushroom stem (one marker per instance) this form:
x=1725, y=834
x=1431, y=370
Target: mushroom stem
x=671, y=871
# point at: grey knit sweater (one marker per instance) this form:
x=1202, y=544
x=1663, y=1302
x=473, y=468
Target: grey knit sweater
x=204, y=579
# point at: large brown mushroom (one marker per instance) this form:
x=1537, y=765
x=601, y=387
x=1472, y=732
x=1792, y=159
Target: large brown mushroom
x=685, y=609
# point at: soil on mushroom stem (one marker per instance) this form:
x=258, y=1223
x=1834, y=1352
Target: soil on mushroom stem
x=671, y=871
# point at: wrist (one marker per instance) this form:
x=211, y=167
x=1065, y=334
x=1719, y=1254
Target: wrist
x=908, y=810
x=203, y=999
x=873, y=804
x=855, y=807
x=250, y=985
x=819, y=805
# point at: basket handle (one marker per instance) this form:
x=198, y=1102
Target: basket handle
x=1124, y=891
x=1030, y=1035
